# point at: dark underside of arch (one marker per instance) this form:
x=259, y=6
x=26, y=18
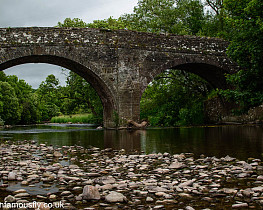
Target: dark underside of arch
x=212, y=74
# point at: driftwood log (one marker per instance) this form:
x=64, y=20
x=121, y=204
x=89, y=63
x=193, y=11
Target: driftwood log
x=143, y=124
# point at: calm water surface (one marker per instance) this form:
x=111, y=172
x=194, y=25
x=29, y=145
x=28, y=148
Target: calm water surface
x=241, y=142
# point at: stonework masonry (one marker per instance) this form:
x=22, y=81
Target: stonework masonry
x=118, y=64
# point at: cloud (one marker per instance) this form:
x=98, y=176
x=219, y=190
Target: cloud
x=34, y=74
x=22, y=13
x=47, y=13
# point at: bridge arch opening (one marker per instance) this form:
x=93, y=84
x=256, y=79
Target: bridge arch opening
x=94, y=80
x=179, y=91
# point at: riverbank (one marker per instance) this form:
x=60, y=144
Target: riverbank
x=79, y=178
x=76, y=118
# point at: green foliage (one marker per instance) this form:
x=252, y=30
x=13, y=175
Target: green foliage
x=80, y=97
x=245, y=18
x=49, y=96
x=192, y=116
x=162, y=16
x=10, y=111
x=75, y=22
x=26, y=99
x=2, y=122
x=116, y=118
x=110, y=23
x=20, y=104
x=174, y=98
x=79, y=118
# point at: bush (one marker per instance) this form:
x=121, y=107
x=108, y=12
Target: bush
x=79, y=118
x=193, y=116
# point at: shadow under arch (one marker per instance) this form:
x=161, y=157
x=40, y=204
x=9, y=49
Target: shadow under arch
x=97, y=83
x=207, y=68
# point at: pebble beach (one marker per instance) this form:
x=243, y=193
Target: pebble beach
x=75, y=177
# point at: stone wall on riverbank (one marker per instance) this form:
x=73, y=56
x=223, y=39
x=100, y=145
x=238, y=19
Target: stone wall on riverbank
x=220, y=111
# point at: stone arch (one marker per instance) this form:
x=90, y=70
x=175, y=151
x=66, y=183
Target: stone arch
x=89, y=75
x=211, y=69
x=207, y=68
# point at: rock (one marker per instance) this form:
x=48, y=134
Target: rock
x=57, y=154
x=187, y=183
x=189, y=208
x=73, y=166
x=247, y=166
x=65, y=193
x=240, y=205
x=149, y=199
x=242, y=175
x=114, y=197
x=185, y=195
x=22, y=195
x=176, y=165
x=229, y=191
x=52, y=197
x=257, y=189
x=92, y=174
x=24, y=182
x=12, y=176
x=247, y=192
x=159, y=207
x=90, y=193
x=20, y=191
x=79, y=197
x=10, y=199
x=107, y=187
x=228, y=159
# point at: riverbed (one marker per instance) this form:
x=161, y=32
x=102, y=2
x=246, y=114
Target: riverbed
x=81, y=167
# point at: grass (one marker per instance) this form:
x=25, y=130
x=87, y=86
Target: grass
x=77, y=118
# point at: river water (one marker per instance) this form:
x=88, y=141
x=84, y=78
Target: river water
x=240, y=142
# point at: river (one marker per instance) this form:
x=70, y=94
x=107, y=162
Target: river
x=241, y=142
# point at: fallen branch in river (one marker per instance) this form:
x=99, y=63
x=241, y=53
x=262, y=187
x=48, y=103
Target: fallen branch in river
x=143, y=124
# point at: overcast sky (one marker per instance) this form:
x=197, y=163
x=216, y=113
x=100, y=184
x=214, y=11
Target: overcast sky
x=47, y=13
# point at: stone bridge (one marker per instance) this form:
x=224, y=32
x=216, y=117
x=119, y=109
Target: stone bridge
x=118, y=64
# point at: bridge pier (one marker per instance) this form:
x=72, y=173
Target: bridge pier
x=129, y=106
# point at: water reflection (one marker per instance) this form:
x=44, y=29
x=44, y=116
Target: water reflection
x=237, y=141
x=123, y=139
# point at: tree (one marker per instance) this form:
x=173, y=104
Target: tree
x=3, y=77
x=152, y=16
x=81, y=97
x=10, y=111
x=191, y=14
x=75, y=22
x=245, y=18
x=49, y=95
x=110, y=23
x=217, y=7
x=174, y=98
x=26, y=99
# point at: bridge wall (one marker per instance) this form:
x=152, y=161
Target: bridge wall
x=118, y=64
